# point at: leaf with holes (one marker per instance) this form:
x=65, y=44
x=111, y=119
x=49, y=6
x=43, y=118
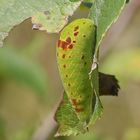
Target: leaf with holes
x=49, y=15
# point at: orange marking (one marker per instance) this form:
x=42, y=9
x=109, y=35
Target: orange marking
x=70, y=46
x=65, y=44
x=79, y=109
x=68, y=40
x=76, y=33
x=74, y=102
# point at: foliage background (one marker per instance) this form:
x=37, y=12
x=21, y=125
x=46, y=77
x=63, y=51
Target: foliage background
x=26, y=116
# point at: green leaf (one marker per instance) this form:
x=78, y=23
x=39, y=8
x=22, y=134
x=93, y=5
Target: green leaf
x=97, y=107
x=16, y=67
x=104, y=13
x=50, y=15
x=87, y=3
x=67, y=119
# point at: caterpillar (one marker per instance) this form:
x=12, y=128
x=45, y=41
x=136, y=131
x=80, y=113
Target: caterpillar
x=74, y=57
x=75, y=53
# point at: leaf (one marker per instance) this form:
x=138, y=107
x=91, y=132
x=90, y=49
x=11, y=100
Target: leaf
x=53, y=14
x=104, y=13
x=67, y=119
x=14, y=66
x=87, y=3
x=97, y=107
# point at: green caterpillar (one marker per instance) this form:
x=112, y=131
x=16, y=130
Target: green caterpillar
x=74, y=56
x=75, y=53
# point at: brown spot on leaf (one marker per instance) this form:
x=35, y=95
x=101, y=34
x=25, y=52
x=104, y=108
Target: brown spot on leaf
x=64, y=66
x=85, y=63
x=69, y=84
x=66, y=75
x=74, y=41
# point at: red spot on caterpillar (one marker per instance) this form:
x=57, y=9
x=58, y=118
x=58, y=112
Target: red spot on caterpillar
x=76, y=33
x=74, y=102
x=70, y=46
x=68, y=40
x=76, y=28
x=65, y=44
x=63, y=56
x=59, y=42
x=79, y=109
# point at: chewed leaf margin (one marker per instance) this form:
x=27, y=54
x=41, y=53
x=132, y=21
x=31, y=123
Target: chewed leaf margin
x=47, y=15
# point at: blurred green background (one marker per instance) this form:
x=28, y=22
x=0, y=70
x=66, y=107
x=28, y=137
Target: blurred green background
x=31, y=88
